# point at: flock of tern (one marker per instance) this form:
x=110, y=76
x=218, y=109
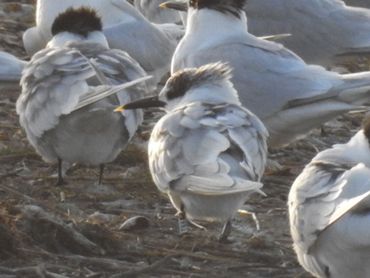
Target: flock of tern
x=244, y=76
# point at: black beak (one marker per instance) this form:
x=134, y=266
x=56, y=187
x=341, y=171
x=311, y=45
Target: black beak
x=141, y=103
x=179, y=5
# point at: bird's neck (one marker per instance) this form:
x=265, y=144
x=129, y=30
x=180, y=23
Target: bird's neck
x=61, y=39
x=356, y=150
x=215, y=24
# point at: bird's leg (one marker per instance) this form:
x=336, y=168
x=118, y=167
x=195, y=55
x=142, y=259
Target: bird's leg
x=226, y=230
x=101, y=172
x=254, y=217
x=197, y=225
x=60, y=180
x=183, y=222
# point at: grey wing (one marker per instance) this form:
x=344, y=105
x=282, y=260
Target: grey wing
x=153, y=50
x=353, y=204
x=119, y=67
x=247, y=135
x=52, y=83
x=328, y=199
x=312, y=199
x=10, y=67
x=266, y=80
x=193, y=150
x=116, y=67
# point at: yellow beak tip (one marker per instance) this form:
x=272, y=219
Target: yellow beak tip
x=163, y=6
x=119, y=109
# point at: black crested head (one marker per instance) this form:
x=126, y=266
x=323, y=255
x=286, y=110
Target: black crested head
x=79, y=21
x=366, y=127
x=184, y=80
x=233, y=7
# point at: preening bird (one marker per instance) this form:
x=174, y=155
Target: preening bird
x=289, y=96
x=151, y=45
x=60, y=81
x=329, y=206
x=207, y=153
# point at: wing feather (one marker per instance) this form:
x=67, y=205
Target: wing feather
x=203, y=155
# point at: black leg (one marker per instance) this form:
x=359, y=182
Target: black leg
x=183, y=222
x=101, y=172
x=226, y=230
x=60, y=180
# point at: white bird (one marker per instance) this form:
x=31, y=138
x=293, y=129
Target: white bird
x=36, y=38
x=329, y=206
x=289, y=96
x=10, y=71
x=152, y=45
x=207, y=153
x=151, y=10
x=321, y=30
x=358, y=3
x=60, y=81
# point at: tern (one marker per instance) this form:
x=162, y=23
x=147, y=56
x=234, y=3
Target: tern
x=61, y=106
x=329, y=206
x=288, y=95
x=208, y=153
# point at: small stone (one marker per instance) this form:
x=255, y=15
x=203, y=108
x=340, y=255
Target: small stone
x=135, y=223
x=100, y=218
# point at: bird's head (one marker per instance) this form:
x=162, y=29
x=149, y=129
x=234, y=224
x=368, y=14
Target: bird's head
x=233, y=7
x=209, y=83
x=77, y=24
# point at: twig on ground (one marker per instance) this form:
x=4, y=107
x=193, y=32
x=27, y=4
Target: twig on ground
x=145, y=269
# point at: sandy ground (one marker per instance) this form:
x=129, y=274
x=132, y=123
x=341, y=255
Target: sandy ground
x=75, y=230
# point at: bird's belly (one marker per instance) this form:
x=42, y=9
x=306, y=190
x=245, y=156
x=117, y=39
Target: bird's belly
x=88, y=138
x=211, y=208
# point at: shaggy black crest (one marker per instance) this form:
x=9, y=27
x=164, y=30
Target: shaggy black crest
x=79, y=21
x=182, y=81
x=366, y=127
x=225, y=6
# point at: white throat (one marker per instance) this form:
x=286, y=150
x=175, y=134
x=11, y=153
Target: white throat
x=207, y=28
x=214, y=23
x=61, y=39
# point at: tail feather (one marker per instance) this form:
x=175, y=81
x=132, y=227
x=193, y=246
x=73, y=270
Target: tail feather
x=10, y=70
x=355, y=89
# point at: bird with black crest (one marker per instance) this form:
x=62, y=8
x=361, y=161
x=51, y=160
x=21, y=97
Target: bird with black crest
x=151, y=45
x=208, y=153
x=288, y=95
x=69, y=89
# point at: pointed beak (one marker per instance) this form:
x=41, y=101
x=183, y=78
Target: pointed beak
x=179, y=5
x=141, y=103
